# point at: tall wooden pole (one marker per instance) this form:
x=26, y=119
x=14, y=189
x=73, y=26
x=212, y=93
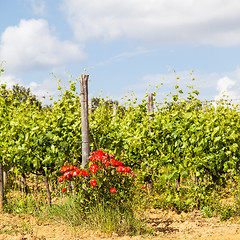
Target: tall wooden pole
x=84, y=118
x=150, y=110
x=1, y=188
x=150, y=104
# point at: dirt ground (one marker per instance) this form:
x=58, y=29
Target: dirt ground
x=167, y=225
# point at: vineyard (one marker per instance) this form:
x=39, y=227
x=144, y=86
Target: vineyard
x=185, y=153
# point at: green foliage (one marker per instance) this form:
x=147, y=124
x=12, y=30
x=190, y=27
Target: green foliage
x=189, y=148
x=226, y=212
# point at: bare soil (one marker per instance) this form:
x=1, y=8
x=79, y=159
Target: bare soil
x=166, y=224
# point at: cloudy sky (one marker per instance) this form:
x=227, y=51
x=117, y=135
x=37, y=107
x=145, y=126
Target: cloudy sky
x=124, y=45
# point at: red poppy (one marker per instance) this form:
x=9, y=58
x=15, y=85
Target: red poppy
x=93, y=168
x=60, y=179
x=85, y=173
x=75, y=174
x=93, y=182
x=64, y=190
x=112, y=190
x=118, y=163
x=63, y=169
x=111, y=156
x=120, y=169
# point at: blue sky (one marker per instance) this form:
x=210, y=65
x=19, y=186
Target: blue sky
x=124, y=45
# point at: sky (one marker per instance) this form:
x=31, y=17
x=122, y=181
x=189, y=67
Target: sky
x=125, y=46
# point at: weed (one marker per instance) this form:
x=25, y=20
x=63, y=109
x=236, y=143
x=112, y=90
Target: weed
x=208, y=212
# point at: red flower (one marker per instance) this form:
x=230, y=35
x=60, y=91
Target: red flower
x=67, y=175
x=112, y=190
x=133, y=174
x=99, y=153
x=113, y=162
x=107, y=164
x=116, y=163
x=63, y=169
x=75, y=174
x=64, y=190
x=93, y=168
x=93, y=182
x=120, y=169
x=85, y=173
x=60, y=179
x=111, y=156
x=104, y=159
x=92, y=158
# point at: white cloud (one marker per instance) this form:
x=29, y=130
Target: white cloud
x=38, y=6
x=9, y=80
x=32, y=45
x=214, y=22
x=44, y=90
x=229, y=86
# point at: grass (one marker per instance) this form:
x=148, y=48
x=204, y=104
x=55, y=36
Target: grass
x=101, y=217
x=109, y=220
x=71, y=211
x=29, y=204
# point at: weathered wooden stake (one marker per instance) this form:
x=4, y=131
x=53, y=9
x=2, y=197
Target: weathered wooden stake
x=84, y=118
x=5, y=178
x=1, y=188
x=115, y=107
x=150, y=105
x=150, y=110
x=90, y=106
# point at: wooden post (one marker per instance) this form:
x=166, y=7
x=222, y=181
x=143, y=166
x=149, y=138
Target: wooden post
x=90, y=106
x=150, y=110
x=1, y=188
x=115, y=106
x=84, y=118
x=150, y=105
x=4, y=179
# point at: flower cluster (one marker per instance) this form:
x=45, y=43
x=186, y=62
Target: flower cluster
x=70, y=172
x=106, y=178
x=107, y=160
x=101, y=160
